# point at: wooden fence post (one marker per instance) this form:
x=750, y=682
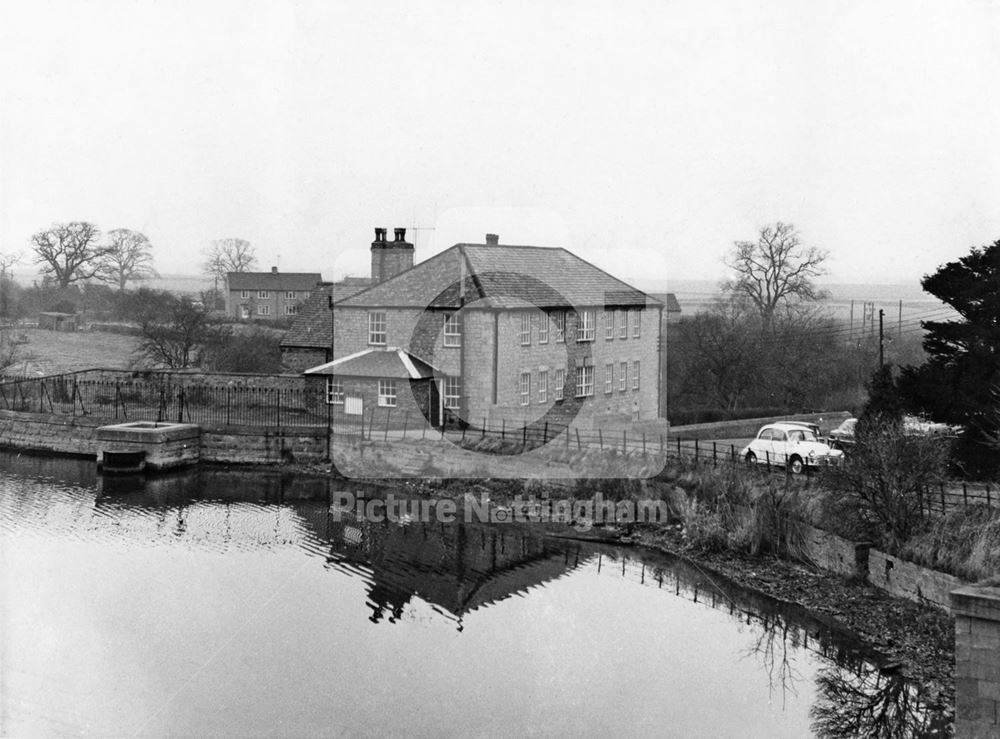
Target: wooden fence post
x=697, y=453
x=579, y=446
x=714, y=458
x=600, y=438
x=625, y=441
x=943, y=507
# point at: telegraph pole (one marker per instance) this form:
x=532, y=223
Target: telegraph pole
x=881, y=338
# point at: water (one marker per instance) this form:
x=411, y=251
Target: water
x=222, y=603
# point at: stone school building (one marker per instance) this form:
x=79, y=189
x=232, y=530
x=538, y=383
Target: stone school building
x=483, y=333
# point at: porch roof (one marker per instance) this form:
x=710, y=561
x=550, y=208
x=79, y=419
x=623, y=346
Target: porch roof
x=391, y=361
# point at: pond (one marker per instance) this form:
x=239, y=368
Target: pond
x=218, y=602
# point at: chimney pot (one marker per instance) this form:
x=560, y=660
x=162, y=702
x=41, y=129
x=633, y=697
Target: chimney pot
x=380, y=234
x=492, y=240
x=274, y=270
x=400, y=234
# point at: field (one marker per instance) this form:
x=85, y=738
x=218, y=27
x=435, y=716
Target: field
x=53, y=352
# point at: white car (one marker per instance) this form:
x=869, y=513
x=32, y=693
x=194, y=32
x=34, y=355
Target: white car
x=789, y=445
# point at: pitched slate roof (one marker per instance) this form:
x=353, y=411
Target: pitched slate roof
x=388, y=362
x=278, y=281
x=311, y=328
x=501, y=276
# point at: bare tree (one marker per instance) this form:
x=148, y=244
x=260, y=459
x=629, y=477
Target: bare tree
x=68, y=251
x=127, y=257
x=775, y=270
x=6, y=262
x=229, y=255
x=174, y=331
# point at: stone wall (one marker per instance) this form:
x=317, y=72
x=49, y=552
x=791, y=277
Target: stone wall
x=907, y=580
x=977, y=661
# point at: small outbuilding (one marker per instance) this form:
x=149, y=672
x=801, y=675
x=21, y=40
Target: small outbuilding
x=58, y=321
x=390, y=379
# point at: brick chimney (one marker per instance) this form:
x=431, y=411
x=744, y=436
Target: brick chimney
x=389, y=258
x=274, y=270
x=492, y=240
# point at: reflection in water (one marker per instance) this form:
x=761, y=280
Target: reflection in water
x=420, y=573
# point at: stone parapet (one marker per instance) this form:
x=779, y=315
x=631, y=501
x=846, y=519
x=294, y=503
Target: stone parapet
x=977, y=661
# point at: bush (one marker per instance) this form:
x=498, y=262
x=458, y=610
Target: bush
x=703, y=529
x=877, y=492
x=714, y=415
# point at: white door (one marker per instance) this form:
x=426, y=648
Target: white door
x=353, y=405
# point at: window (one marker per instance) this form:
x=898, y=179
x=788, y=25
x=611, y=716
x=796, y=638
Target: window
x=263, y=310
x=334, y=391
x=609, y=325
x=452, y=331
x=292, y=310
x=387, y=393
x=245, y=295
x=290, y=294
x=609, y=377
x=560, y=384
x=543, y=386
x=559, y=317
x=635, y=375
x=451, y=392
x=376, y=328
x=584, y=382
x=263, y=294
x=543, y=329
x=305, y=295
x=623, y=377
x=585, y=326
x=636, y=323
x=525, y=329
x=525, y=388
x=622, y=324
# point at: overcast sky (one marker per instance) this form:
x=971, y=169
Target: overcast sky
x=645, y=136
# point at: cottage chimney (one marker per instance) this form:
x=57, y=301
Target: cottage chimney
x=389, y=258
x=492, y=240
x=274, y=270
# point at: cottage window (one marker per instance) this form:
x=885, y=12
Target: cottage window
x=376, y=328
x=636, y=323
x=245, y=295
x=543, y=329
x=543, y=386
x=290, y=294
x=609, y=377
x=263, y=294
x=622, y=324
x=560, y=384
x=292, y=310
x=559, y=317
x=623, y=378
x=452, y=330
x=585, y=325
x=305, y=295
x=609, y=325
x=387, y=393
x=635, y=375
x=263, y=310
x=452, y=388
x=525, y=387
x=525, y=329
x=334, y=391
x=584, y=382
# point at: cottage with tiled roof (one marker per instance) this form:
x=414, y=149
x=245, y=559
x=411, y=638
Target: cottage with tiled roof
x=268, y=295
x=518, y=333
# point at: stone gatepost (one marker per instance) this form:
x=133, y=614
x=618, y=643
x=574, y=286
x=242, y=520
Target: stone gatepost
x=977, y=661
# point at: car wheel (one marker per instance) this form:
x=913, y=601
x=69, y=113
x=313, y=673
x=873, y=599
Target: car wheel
x=751, y=459
x=795, y=465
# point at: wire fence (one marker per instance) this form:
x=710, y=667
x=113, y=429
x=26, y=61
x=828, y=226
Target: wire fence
x=165, y=398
